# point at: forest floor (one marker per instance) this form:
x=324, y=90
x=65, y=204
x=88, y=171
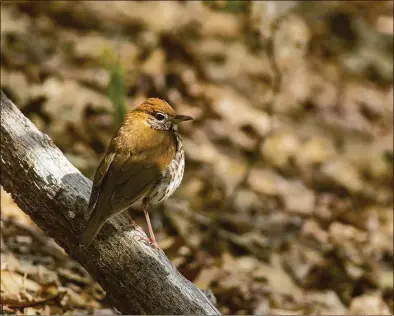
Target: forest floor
x=286, y=206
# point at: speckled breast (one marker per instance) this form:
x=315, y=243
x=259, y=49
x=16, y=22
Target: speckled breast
x=171, y=177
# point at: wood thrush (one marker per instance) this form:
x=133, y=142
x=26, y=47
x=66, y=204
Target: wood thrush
x=145, y=162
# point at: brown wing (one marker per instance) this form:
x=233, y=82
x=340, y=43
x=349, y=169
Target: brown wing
x=133, y=178
x=120, y=180
x=98, y=177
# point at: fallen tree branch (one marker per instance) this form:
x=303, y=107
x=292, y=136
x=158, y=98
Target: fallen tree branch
x=45, y=185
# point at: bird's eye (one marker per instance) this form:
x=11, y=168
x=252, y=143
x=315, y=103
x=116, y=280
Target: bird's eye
x=160, y=116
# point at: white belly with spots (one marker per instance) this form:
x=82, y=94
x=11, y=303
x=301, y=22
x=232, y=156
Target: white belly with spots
x=170, y=180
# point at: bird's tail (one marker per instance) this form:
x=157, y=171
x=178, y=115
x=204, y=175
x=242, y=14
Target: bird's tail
x=96, y=221
x=101, y=210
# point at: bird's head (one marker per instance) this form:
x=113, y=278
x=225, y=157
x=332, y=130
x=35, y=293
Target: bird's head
x=160, y=115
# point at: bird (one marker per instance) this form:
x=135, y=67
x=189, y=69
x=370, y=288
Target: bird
x=145, y=162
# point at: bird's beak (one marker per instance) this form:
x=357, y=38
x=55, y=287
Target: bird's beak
x=181, y=118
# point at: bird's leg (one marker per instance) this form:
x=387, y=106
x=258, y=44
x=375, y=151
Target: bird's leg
x=152, y=239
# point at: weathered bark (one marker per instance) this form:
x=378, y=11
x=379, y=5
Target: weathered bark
x=45, y=185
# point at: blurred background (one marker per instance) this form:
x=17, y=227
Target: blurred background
x=286, y=206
